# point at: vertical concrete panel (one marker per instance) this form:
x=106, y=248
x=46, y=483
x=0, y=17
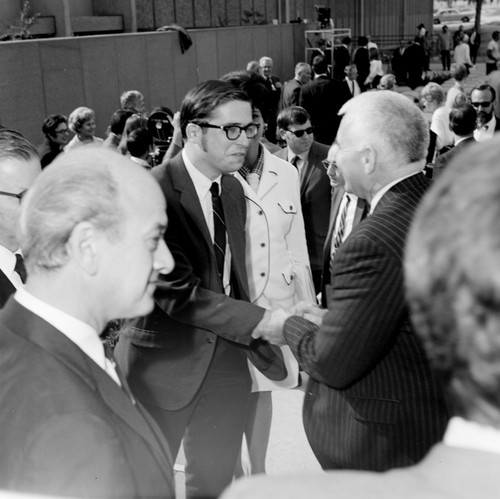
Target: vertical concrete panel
x=226, y=51
x=288, y=58
x=233, y=10
x=219, y=17
x=144, y=9
x=161, y=71
x=184, y=14
x=62, y=76
x=244, y=47
x=185, y=73
x=164, y=13
x=206, y=55
x=260, y=45
x=202, y=14
x=271, y=10
x=21, y=95
x=100, y=75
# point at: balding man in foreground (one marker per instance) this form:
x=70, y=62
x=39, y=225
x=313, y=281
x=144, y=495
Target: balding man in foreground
x=372, y=402
x=91, y=229
x=452, y=281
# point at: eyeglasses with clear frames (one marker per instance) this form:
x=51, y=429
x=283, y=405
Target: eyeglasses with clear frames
x=327, y=163
x=12, y=195
x=233, y=132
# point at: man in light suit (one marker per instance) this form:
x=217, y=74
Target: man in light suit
x=315, y=191
x=291, y=89
x=19, y=167
x=91, y=230
x=452, y=282
x=187, y=361
x=372, y=402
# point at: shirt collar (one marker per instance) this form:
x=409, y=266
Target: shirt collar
x=378, y=196
x=7, y=261
x=257, y=167
x=201, y=183
x=80, y=333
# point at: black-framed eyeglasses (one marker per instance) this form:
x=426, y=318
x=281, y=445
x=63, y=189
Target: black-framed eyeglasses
x=12, y=195
x=300, y=133
x=482, y=104
x=64, y=130
x=234, y=131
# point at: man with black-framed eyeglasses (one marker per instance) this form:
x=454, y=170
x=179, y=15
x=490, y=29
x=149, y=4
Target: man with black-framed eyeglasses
x=193, y=377
x=57, y=135
x=483, y=99
x=19, y=167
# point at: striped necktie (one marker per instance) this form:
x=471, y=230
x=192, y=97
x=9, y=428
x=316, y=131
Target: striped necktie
x=219, y=229
x=340, y=232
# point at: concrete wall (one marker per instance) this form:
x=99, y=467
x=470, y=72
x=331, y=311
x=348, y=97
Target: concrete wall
x=41, y=77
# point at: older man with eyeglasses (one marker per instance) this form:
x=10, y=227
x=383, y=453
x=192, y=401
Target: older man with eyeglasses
x=19, y=167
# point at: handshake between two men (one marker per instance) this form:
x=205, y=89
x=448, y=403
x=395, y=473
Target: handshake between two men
x=270, y=328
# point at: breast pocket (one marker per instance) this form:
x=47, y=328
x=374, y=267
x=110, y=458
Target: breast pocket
x=288, y=207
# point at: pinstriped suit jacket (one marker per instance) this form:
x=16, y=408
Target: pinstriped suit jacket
x=372, y=402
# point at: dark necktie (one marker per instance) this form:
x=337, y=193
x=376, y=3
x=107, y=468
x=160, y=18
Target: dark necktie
x=295, y=161
x=108, y=352
x=219, y=228
x=340, y=232
x=20, y=268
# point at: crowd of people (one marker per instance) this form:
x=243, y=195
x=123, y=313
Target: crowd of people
x=158, y=284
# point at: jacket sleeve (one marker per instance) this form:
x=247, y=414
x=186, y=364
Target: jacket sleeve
x=364, y=316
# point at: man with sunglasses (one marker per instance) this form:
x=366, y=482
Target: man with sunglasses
x=483, y=99
x=307, y=155
x=19, y=167
x=187, y=360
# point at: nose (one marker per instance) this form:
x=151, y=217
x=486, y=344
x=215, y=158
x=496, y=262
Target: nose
x=163, y=260
x=243, y=139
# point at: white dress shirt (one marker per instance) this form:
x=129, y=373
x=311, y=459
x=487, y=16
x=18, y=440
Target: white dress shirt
x=301, y=162
x=81, y=334
x=202, y=186
x=487, y=131
x=351, y=212
x=7, y=264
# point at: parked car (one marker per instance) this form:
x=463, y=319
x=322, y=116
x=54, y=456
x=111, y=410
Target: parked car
x=443, y=16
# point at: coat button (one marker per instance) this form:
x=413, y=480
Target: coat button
x=262, y=245
x=262, y=274
x=261, y=212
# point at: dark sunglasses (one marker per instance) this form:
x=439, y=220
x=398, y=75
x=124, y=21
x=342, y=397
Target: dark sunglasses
x=299, y=133
x=482, y=104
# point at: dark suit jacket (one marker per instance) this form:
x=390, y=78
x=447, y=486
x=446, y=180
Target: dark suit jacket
x=315, y=198
x=446, y=472
x=192, y=314
x=338, y=194
x=372, y=402
x=362, y=61
x=66, y=427
x=6, y=289
x=342, y=59
x=291, y=93
x=275, y=99
x=320, y=98
x=443, y=160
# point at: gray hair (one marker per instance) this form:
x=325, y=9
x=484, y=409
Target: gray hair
x=433, y=92
x=453, y=279
x=78, y=186
x=391, y=123
x=14, y=145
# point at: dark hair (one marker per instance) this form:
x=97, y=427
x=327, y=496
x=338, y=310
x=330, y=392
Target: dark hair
x=484, y=86
x=463, y=120
x=254, y=85
x=138, y=142
x=51, y=122
x=320, y=65
x=293, y=115
x=202, y=100
x=362, y=41
x=346, y=40
x=118, y=120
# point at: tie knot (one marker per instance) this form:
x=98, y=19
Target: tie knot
x=214, y=189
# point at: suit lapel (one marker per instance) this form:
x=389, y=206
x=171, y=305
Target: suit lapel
x=55, y=344
x=188, y=197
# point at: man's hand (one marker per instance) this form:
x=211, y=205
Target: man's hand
x=270, y=328
x=309, y=311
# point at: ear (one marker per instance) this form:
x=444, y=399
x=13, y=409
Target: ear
x=193, y=132
x=283, y=134
x=83, y=247
x=369, y=160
